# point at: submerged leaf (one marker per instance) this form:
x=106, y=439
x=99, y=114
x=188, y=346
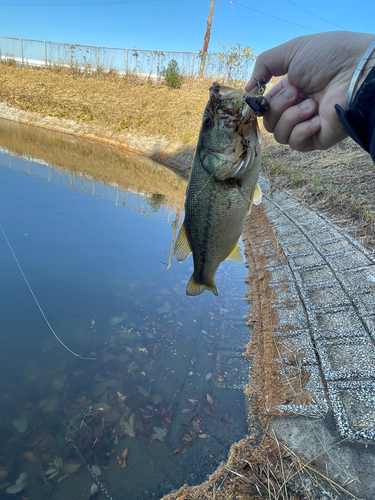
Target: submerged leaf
x=50, y=471
x=71, y=467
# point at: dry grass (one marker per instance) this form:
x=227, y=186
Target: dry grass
x=110, y=101
x=266, y=471
x=339, y=182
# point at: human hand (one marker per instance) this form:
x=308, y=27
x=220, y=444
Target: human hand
x=318, y=71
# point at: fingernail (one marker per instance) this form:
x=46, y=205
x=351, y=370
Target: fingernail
x=305, y=105
x=315, y=119
x=288, y=94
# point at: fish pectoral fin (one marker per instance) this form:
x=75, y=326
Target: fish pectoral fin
x=194, y=288
x=182, y=248
x=257, y=195
x=236, y=254
x=259, y=134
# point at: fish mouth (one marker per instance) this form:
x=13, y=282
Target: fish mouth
x=236, y=106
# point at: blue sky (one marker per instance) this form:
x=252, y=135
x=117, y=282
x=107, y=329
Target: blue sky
x=179, y=25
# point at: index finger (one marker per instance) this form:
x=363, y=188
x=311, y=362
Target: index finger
x=278, y=88
x=273, y=62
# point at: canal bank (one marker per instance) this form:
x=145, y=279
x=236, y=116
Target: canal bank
x=310, y=392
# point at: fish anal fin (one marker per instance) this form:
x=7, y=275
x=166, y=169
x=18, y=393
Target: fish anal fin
x=182, y=248
x=236, y=254
x=194, y=288
x=257, y=195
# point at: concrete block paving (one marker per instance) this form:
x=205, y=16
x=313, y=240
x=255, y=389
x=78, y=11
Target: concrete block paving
x=325, y=307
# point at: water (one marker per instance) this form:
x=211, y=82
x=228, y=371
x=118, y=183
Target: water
x=92, y=229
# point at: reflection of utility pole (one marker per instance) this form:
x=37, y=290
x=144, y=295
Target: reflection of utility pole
x=206, y=38
x=174, y=225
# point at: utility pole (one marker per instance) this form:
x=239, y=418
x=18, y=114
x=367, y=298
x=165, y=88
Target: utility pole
x=207, y=38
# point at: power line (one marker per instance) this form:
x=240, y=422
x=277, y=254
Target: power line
x=90, y=4
x=316, y=15
x=274, y=17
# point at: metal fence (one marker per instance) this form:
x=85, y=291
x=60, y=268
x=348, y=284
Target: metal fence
x=150, y=63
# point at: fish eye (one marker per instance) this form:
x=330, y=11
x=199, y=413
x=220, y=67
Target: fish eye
x=207, y=120
x=231, y=181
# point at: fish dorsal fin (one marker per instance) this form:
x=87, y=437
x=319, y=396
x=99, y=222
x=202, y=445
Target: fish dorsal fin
x=182, y=248
x=194, y=288
x=257, y=195
x=236, y=254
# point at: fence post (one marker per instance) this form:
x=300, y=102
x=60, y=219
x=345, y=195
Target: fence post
x=97, y=60
x=192, y=63
x=126, y=60
x=45, y=54
x=21, y=46
x=158, y=68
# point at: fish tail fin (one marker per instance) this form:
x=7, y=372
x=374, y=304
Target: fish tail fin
x=194, y=288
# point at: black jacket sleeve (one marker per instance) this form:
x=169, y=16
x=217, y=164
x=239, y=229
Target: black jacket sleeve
x=359, y=119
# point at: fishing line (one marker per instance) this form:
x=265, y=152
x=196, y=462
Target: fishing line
x=41, y=310
x=208, y=180
x=244, y=197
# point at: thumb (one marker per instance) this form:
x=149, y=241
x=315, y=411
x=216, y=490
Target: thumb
x=273, y=62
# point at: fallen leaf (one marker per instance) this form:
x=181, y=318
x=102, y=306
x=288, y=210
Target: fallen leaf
x=210, y=400
x=179, y=449
x=157, y=437
x=208, y=376
x=50, y=471
x=54, y=474
x=29, y=456
x=220, y=378
x=71, y=467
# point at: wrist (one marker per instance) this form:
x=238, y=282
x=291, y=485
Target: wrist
x=360, y=74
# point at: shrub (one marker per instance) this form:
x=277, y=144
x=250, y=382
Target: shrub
x=172, y=75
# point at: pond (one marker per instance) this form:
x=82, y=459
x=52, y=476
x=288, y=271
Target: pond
x=110, y=377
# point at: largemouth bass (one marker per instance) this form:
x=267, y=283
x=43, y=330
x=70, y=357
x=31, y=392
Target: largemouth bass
x=222, y=185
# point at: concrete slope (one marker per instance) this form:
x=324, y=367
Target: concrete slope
x=321, y=288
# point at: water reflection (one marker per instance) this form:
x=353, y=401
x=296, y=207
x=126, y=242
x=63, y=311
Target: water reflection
x=164, y=401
